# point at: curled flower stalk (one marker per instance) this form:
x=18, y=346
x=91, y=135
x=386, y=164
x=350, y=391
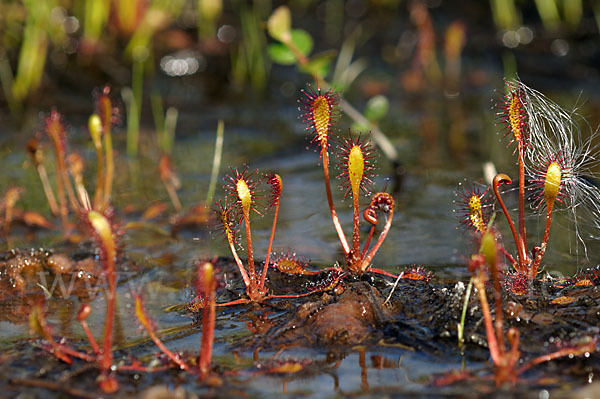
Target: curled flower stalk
x=384, y=203
x=522, y=265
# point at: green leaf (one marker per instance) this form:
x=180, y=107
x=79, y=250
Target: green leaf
x=377, y=108
x=280, y=23
x=319, y=64
x=281, y=54
x=359, y=127
x=303, y=41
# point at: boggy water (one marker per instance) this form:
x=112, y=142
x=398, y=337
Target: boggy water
x=393, y=348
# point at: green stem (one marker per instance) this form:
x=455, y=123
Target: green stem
x=216, y=162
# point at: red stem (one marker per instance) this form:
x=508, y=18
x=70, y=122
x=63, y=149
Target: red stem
x=540, y=253
x=106, y=356
x=508, y=256
x=355, y=227
x=270, y=247
x=240, y=301
x=487, y=319
x=367, y=260
x=383, y=272
x=368, y=242
x=251, y=273
x=208, y=331
x=521, y=252
x=90, y=336
x=579, y=350
x=522, y=232
x=239, y=264
x=175, y=358
x=60, y=189
x=334, y=216
x=498, y=319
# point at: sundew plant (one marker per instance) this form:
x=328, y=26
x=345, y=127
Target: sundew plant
x=556, y=172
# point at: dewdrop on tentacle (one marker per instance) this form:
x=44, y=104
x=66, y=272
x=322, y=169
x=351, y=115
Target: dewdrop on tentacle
x=514, y=113
x=227, y=224
x=274, y=180
x=356, y=161
x=241, y=187
x=319, y=112
x=472, y=206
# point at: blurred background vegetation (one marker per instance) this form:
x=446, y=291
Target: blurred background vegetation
x=162, y=56
x=421, y=75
